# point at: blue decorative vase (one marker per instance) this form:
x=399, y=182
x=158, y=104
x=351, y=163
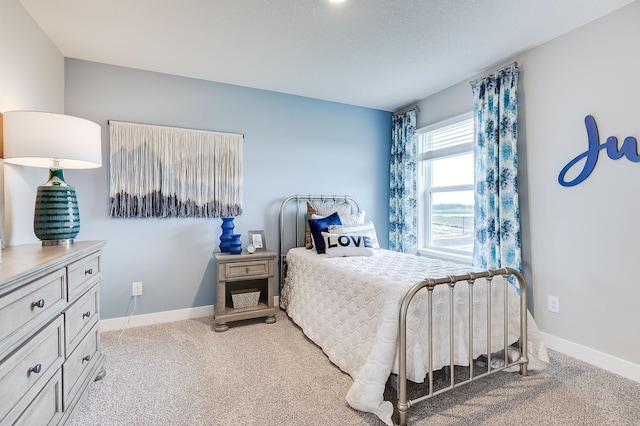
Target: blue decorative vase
x=227, y=234
x=235, y=246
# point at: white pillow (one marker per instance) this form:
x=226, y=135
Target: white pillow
x=346, y=219
x=365, y=229
x=352, y=219
x=337, y=245
x=323, y=209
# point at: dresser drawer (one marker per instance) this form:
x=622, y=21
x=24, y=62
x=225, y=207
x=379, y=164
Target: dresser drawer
x=29, y=368
x=26, y=309
x=46, y=408
x=247, y=269
x=79, y=365
x=80, y=317
x=82, y=274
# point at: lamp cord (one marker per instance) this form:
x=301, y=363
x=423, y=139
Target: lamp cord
x=135, y=303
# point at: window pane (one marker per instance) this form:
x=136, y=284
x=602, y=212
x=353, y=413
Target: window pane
x=450, y=171
x=446, y=190
x=452, y=220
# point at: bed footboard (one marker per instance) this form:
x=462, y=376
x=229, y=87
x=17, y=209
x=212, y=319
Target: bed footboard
x=451, y=281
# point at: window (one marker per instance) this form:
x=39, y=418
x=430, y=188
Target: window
x=445, y=188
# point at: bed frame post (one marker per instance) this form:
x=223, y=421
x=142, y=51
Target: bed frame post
x=281, y=253
x=524, y=339
x=403, y=405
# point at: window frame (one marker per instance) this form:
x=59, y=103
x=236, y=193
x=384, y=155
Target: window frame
x=425, y=190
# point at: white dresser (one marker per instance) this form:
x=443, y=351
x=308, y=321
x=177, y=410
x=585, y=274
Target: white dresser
x=49, y=330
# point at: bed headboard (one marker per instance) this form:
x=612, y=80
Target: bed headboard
x=293, y=220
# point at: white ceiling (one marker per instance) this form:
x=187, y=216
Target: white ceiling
x=382, y=54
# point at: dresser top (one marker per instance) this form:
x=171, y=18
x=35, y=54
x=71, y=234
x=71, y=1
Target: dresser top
x=22, y=262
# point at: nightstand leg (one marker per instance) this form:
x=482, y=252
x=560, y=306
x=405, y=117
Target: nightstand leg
x=220, y=327
x=270, y=319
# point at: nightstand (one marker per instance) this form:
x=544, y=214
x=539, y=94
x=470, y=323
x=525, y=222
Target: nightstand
x=242, y=272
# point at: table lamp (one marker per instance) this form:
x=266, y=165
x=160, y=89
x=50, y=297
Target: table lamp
x=42, y=139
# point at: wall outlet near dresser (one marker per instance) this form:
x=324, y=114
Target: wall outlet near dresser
x=136, y=288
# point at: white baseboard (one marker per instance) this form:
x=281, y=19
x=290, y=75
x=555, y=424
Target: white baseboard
x=155, y=318
x=162, y=317
x=599, y=359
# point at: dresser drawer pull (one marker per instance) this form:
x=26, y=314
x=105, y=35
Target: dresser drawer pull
x=38, y=304
x=86, y=358
x=246, y=271
x=86, y=314
x=35, y=369
x=88, y=271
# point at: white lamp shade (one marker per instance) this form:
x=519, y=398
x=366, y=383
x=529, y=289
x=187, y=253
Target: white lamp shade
x=34, y=139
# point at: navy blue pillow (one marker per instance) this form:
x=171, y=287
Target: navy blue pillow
x=318, y=226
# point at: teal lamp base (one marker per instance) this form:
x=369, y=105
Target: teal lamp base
x=56, y=218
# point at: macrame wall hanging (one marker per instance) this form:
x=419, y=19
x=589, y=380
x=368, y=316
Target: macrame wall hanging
x=159, y=171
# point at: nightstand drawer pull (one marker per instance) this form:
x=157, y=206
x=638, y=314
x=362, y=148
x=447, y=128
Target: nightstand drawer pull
x=246, y=271
x=35, y=369
x=86, y=314
x=88, y=271
x=38, y=304
x=86, y=358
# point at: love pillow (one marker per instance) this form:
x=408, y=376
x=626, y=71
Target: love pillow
x=337, y=245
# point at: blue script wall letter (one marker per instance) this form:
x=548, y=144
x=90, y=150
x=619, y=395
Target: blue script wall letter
x=629, y=149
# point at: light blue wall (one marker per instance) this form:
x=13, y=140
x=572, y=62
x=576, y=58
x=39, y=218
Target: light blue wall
x=292, y=145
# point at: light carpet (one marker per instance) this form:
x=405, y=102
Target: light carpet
x=184, y=373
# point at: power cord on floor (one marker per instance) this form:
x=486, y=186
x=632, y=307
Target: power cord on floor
x=135, y=303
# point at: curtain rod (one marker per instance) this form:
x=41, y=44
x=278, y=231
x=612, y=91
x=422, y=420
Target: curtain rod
x=513, y=64
x=402, y=111
x=173, y=127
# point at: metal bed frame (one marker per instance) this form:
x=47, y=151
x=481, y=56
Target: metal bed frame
x=399, y=382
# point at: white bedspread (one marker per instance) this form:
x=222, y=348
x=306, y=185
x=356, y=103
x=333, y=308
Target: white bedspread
x=349, y=306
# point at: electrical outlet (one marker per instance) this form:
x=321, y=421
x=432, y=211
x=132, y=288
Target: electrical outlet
x=136, y=288
x=553, y=304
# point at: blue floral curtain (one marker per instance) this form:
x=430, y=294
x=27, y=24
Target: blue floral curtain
x=497, y=211
x=403, y=217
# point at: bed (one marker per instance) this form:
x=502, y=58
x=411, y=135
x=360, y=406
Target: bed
x=383, y=316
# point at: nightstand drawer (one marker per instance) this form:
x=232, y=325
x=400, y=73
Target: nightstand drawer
x=25, y=310
x=247, y=269
x=30, y=367
x=78, y=365
x=46, y=408
x=80, y=317
x=82, y=274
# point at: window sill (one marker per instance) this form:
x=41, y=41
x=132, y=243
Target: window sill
x=458, y=258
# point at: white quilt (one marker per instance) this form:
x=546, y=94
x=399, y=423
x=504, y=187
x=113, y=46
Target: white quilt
x=349, y=306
